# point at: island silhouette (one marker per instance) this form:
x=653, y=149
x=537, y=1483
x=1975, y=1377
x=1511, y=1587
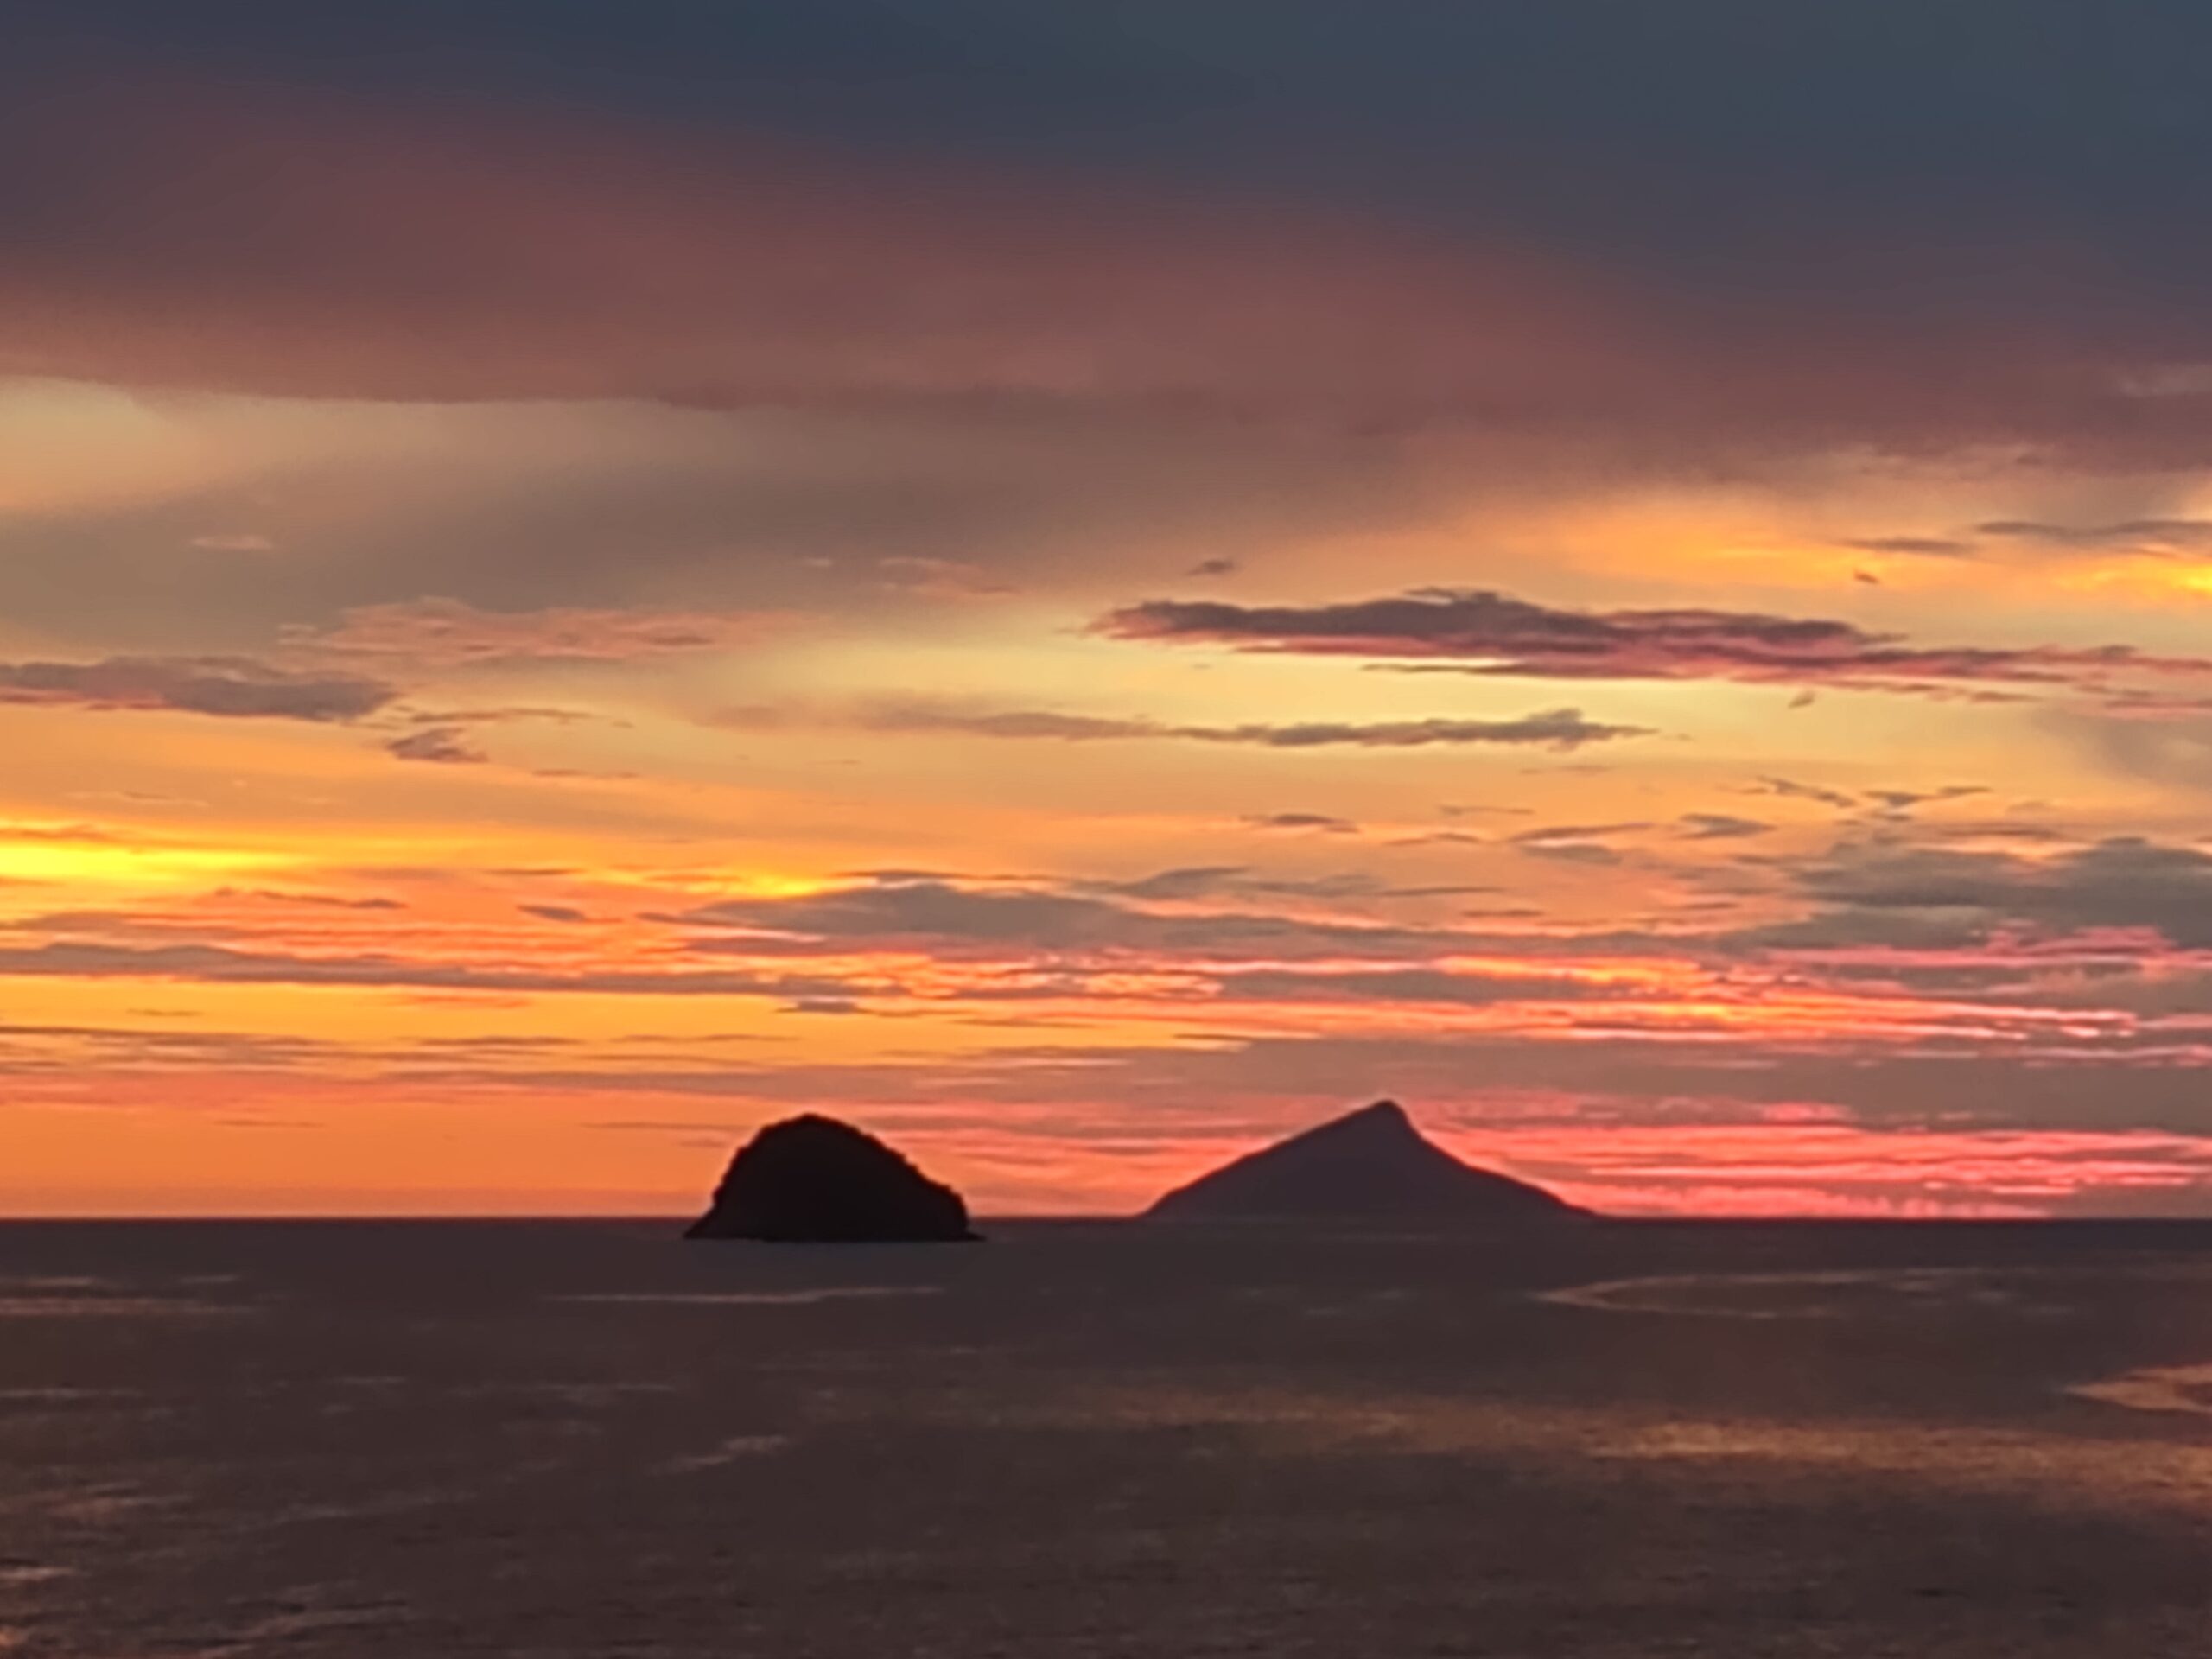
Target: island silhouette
x=813, y=1180
x=1371, y=1163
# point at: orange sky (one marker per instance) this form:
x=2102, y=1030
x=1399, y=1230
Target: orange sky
x=533, y=641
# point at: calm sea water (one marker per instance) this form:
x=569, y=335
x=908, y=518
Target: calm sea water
x=590, y=1439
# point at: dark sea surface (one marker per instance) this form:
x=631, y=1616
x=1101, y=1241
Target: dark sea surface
x=569, y=1439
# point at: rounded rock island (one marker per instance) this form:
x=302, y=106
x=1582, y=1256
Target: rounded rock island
x=812, y=1179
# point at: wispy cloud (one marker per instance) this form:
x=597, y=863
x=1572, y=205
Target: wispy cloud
x=1554, y=728
x=445, y=631
x=439, y=745
x=1480, y=632
x=229, y=687
x=1325, y=823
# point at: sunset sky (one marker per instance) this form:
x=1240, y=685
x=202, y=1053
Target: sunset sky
x=1087, y=584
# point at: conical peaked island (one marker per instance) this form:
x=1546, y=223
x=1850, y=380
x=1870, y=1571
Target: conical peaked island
x=1371, y=1164
x=812, y=1179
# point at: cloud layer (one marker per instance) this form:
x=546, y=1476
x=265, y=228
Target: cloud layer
x=228, y=687
x=1552, y=728
x=371, y=245
x=1486, y=632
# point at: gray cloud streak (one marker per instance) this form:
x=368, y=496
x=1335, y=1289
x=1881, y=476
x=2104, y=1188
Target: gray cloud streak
x=1482, y=631
x=230, y=687
x=1555, y=729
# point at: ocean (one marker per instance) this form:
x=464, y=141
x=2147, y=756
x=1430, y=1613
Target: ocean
x=562, y=1440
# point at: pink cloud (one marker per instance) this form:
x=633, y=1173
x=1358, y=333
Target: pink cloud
x=1842, y=1169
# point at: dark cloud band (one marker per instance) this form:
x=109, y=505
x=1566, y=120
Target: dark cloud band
x=1481, y=632
x=230, y=686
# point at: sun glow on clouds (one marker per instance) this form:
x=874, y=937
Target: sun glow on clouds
x=43, y=856
x=530, y=645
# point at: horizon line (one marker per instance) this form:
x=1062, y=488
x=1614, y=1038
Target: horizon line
x=295, y=1218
